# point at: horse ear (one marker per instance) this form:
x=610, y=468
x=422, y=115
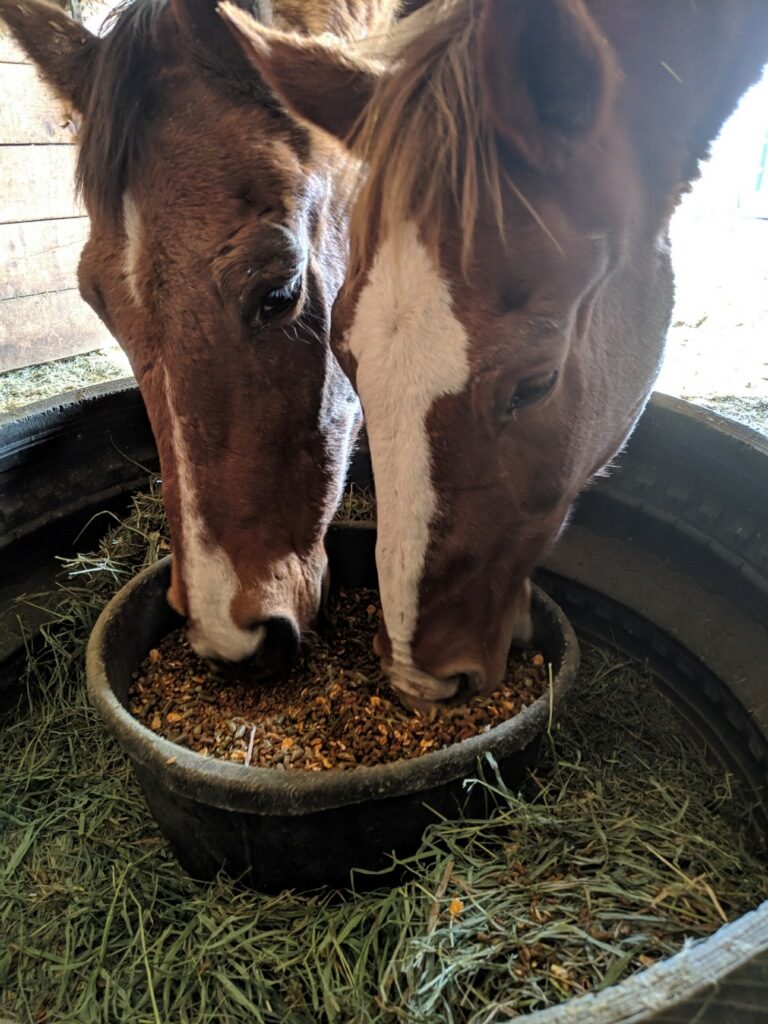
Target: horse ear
x=547, y=75
x=201, y=23
x=62, y=50
x=317, y=81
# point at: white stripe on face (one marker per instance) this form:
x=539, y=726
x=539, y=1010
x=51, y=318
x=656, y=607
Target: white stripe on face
x=410, y=350
x=209, y=577
x=133, y=245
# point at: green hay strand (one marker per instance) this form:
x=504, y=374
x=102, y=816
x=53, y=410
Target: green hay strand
x=358, y=504
x=626, y=842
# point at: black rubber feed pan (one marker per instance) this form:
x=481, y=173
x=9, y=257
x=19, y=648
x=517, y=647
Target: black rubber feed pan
x=299, y=829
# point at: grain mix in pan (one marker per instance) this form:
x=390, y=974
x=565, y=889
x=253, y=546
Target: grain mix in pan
x=333, y=710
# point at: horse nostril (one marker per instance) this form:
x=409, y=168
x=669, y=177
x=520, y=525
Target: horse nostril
x=467, y=683
x=281, y=639
x=259, y=629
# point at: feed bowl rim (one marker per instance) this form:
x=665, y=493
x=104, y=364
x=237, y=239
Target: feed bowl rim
x=292, y=792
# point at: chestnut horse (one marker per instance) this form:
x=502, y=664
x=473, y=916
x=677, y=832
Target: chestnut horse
x=217, y=244
x=510, y=285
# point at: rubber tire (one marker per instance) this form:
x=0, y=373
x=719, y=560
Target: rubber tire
x=677, y=536
x=71, y=454
x=686, y=509
x=667, y=558
x=62, y=462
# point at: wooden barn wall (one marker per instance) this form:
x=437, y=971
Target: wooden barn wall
x=42, y=228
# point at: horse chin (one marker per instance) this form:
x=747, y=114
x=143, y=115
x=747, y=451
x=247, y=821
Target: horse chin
x=174, y=602
x=419, y=690
x=522, y=630
x=520, y=621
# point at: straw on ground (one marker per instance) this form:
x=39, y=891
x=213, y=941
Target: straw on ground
x=626, y=842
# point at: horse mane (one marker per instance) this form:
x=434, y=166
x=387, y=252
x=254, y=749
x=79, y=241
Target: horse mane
x=425, y=137
x=141, y=41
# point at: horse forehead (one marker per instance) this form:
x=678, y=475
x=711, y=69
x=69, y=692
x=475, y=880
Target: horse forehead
x=270, y=181
x=405, y=336
x=253, y=164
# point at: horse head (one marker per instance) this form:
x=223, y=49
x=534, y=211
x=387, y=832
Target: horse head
x=509, y=286
x=217, y=246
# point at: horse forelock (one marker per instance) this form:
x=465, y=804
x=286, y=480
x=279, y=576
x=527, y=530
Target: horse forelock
x=430, y=143
x=142, y=42
x=426, y=139
x=113, y=134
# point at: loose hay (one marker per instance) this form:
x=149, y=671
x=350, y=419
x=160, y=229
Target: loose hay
x=28, y=384
x=358, y=504
x=626, y=842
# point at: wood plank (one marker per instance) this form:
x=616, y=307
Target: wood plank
x=40, y=257
x=38, y=328
x=29, y=109
x=10, y=52
x=37, y=183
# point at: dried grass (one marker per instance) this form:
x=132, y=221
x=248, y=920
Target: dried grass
x=19, y=388
x=626, y=842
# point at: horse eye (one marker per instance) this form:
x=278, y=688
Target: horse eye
x=529, y=391
x=259, y=308
x=278, y=301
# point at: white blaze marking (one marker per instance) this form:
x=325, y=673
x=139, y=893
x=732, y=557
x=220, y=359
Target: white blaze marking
x=410, y=350
x=134, y=240
x=209, y=577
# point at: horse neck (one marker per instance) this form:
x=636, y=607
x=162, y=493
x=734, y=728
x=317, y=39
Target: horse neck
x=348, y=19
x=685, y=67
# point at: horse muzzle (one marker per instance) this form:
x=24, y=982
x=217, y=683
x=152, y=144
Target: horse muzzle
x=421, y=691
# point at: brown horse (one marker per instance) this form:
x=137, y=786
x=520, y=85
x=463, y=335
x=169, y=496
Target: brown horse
x=510, y=284
x=217, y=245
